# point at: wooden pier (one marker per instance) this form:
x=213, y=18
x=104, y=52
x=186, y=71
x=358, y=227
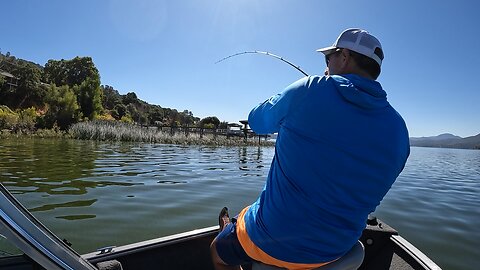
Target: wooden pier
x=233, y=130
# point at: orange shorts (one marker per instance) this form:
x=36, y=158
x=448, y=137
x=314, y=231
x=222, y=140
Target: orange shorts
x=259, y=255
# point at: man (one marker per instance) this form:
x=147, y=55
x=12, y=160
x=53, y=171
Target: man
x=340, y=147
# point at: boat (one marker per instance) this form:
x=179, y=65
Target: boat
x=383, y=248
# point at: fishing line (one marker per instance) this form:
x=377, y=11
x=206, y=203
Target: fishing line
x=268, y=54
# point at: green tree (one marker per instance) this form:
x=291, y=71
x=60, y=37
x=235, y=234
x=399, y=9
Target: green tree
x=80, y=74
x=133, y=112
x=172, y=117
x=29, y=91
x=186, y=118
x=4, y=91
x=130, y=98
x=110, y=97
x=209, y=120
x=55, y=71
x=80, y=69
x=89, y=96
x=63, y=108
x=70, y=72
x=119, y=111
x=155, y=114
x=137, y=115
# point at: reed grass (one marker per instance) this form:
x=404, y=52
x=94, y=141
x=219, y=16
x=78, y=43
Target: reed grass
x=120, y=131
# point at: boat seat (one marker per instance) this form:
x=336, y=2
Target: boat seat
x=350, y=261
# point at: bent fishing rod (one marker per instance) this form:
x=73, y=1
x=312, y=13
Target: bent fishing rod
x=268, y=54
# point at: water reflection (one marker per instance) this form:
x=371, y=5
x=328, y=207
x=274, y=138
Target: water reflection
x=48, y=207
x=77, y=217
x=47, y=166
x=251, y=161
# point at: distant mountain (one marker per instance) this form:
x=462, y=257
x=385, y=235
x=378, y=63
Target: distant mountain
x=447, y=140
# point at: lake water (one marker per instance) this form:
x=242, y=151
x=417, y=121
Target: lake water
x=98, y=194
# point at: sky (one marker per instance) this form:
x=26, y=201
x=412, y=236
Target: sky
x=165, y=51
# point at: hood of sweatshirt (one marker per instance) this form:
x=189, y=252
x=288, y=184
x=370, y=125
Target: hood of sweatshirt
x=361, y=91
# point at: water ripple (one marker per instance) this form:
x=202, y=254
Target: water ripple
x=154, y=190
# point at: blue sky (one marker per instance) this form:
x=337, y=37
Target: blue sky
x=165, y=51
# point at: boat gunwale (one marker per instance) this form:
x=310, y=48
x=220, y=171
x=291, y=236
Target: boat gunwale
x=412, y=252
x=137, y=247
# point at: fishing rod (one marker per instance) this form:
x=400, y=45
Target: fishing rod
x=268, y=54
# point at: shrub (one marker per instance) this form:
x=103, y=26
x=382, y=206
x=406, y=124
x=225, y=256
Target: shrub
x=104, y=117
x=209, y=125
x=8, y=118
x=127, y=119
x=27, y=119
x=63, y=107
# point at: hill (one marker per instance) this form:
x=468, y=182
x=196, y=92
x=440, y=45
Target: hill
x=447, y=140
x=63, y=92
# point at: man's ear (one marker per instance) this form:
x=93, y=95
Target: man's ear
x=346, y=58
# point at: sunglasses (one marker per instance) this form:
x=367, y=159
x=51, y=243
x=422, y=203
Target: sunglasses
x=327, y=57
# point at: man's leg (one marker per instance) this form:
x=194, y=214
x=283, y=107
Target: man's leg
x=218, y=263
x=227, y=242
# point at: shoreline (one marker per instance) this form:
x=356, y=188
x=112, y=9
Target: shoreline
x=122, y=132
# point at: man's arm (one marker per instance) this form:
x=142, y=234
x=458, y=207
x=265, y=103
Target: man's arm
x=267, y=117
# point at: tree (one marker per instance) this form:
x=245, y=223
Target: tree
x=89, y=96
x=82, y=76
x=56, y=72
x=26, y=90
x=130, y=98
x=155, y=114
x=71, y=72
x=132, y=110
x=29, y=91
x=80, y=69
x=210, y=120
x=4, y=91
x=110, y=97
x=171, y=117
x=186, y=118
x=119, y=111
x=63, y=108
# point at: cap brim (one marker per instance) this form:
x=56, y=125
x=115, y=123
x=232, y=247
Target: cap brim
x=327, y=50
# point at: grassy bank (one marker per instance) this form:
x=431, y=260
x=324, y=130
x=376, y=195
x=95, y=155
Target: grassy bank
x=119, y=131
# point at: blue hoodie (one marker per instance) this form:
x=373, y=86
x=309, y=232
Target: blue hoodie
x=340, y=147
